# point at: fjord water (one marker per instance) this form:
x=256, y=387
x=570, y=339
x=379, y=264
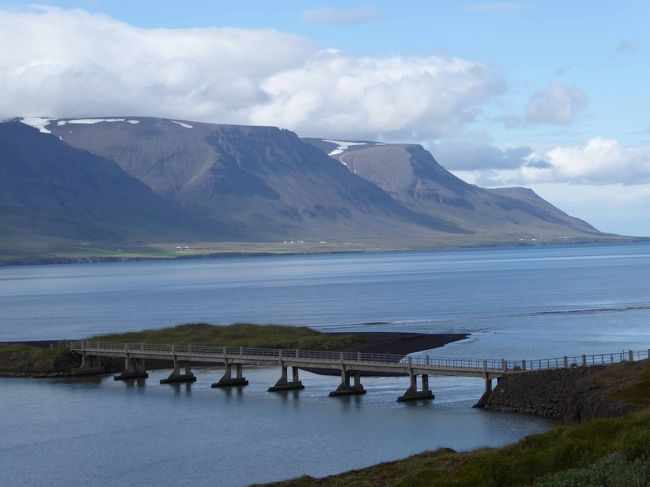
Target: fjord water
x=517, y=303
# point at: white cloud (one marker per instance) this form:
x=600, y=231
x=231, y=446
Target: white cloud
x=556, y=103
x=597, y=162
x=334, y=93
x=334, y=16
x=70, y=63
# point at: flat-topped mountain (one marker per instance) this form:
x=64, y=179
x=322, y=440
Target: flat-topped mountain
x=262, y=179
x=413, y=177
x=138, y=179
x=49, y=189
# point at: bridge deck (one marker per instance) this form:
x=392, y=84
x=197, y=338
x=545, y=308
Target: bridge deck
x=363, y=362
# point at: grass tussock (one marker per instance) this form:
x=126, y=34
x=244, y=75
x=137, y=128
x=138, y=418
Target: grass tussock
x=237, y=335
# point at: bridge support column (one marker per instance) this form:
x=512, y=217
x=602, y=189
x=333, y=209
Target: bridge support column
x=412, y=393
x=134, y=368
x=344, y=388
x=228, y=380
x=283, y=384
x=177, y=376
x=90, y=365
x=486, y=395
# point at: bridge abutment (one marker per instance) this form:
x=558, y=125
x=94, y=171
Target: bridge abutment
x=134, y=368
x=345, y=388
x=177, y=376
x=413, y=394
x=283, y=384
x=227, y=380
x=90, y=365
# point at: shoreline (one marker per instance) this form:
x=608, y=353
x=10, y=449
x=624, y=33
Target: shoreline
x=397, y=343
x=94, y=259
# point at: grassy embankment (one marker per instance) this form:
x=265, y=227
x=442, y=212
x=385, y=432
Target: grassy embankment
x=28, y=360
x=603, y=452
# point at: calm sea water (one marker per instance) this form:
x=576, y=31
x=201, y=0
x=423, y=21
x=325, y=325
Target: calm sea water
x=517, y=303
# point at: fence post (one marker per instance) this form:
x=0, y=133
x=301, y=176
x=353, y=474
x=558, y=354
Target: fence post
x=565, y=360
x=523, y=364
x=631, y=355
x=427, y=360
x=241, y=350
x=358, y=356
x=484, y=365
x=504, y=364
x=297, y=353
x=584, y=360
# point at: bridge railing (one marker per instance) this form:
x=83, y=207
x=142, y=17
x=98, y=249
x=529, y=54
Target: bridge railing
x=266, y=353
x=376, y=358
x=588, y=360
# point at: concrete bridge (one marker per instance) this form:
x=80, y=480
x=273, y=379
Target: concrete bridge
x=350, y=365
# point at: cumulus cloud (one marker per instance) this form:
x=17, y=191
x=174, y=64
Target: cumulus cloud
x=554, y=104
x=476, y=156
x=335, y=93
x=334, y=16
x=599, y=161
x=70, y=63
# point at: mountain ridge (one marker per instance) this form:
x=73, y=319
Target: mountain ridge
x=259, y=186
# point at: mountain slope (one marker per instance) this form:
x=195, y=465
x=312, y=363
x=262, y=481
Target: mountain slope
x=49, y=189
x=413, y=177
x=262, y=179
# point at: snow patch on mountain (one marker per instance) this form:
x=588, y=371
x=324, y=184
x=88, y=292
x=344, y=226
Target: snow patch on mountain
x=342, y=146
x=186, y=125
x=90, y=121
x=38, y=123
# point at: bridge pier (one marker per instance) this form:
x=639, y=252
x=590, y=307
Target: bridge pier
x=283, y=384
x=90, y=365
x=228, y=380
x=412, y=393
x=344, y=388
x=176, y=376
x=486, y=395
x=134, y=368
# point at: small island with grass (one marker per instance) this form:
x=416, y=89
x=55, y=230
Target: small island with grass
x=54, y=359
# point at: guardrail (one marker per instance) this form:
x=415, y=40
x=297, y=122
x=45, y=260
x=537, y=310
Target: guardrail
x=374, y=358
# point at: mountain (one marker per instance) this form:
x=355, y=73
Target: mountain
x=263, y=180
x=50, y=190
x=158, y=181
x=413, y=177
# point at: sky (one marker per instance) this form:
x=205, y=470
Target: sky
x=546, y=94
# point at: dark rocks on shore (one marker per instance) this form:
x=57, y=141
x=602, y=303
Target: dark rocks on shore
x=571, y=394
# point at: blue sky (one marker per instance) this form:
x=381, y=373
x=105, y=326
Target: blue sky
x=553, y=94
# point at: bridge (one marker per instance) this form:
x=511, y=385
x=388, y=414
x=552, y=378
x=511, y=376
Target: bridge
x=351, y=366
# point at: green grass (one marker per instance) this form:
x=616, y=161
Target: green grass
x=36, y=361
x=533, y=460
x=602, y=452
x=240, y=334
x=29, y=360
